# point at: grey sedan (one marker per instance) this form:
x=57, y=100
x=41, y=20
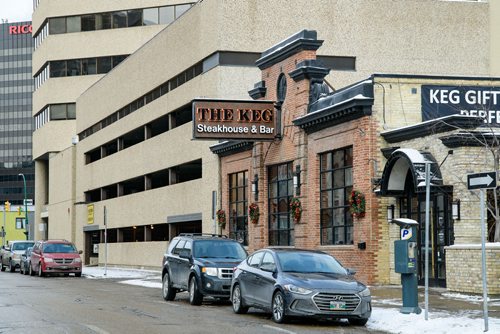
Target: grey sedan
x=290, y=282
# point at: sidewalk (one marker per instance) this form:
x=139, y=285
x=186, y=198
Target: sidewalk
x=440, y=299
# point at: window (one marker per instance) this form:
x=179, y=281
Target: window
x=57, y=25
x=103, y=21
x=335, y=187
x=120, y=19
x=57, y=69
x=281, y=227
x=62, y=111
x=238, y=203
x=73, y=24
x=255, y=259
x=89, y=66
x=150, y=16
x=74, y=67
x=134, y=18
x=88, y=22
x=181, y=9
x=103, y=65
x=166, y=14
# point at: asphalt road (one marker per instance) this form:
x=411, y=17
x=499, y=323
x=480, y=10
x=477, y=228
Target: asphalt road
x=79, y=305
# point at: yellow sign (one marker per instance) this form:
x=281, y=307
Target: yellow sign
x=90, y=214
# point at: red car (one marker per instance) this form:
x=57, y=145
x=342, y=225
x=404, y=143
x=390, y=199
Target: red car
x=55, y=256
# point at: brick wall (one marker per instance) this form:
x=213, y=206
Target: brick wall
x=463, y=268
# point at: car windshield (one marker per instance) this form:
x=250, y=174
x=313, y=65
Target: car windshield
x=19, y=246
x=59, y=248
x=306, y=262
x=219, y=249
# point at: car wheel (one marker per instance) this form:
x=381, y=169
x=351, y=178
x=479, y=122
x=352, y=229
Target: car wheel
x=11, y=267
x=278, y=307
x=78, y=274
x=2, y=268
x=32, y=273
x=237, y=300
x=195, y=297
x=358, y=321
x=166, y=290
x=40, y=271
x=25, y=271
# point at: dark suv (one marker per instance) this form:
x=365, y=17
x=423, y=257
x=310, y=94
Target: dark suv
x=202, y=264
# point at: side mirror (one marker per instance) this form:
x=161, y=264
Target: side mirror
x=351, y=271
x=80, y=252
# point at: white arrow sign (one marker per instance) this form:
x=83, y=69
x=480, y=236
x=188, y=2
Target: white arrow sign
x=482, y=180
x=485, y=180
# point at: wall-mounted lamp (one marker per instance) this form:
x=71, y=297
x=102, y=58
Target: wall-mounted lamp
x=296, y=180
x=255, y=187
x=390, y=212
x=455, y=209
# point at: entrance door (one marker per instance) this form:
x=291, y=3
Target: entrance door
x=440, y=234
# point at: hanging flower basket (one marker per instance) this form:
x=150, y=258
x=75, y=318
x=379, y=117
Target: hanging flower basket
x=221, y=218
x=357, y=204
x=254, y=213
x=296, y=209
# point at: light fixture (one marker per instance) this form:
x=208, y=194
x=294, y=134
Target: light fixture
x=255, y=187
x=455, y=209
x=296, y=180
x=390, y=212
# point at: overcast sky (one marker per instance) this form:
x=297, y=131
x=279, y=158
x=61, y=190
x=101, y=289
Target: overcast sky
x=16, y=10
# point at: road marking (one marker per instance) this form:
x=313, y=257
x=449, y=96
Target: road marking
x=96, y=329
x=279, y=329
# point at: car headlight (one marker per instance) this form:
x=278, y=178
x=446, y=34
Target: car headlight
x=296, y=289
x=16, y=256
x=365, y=293
x=48, y=259
x=210, y=271
x=77, y=260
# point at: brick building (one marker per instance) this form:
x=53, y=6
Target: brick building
x=367, y=142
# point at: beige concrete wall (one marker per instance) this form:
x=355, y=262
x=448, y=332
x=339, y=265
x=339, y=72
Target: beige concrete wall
x=61, y=177
x=53, y=137
x=464, y=268
x=494, y=41
x=147, y=255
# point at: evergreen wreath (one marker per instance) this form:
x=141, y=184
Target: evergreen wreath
x=357, y=204
x=221, y=218
x=254, y=212
x=296, y=209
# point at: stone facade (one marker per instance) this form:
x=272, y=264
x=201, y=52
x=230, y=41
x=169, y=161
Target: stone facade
x=464, y=268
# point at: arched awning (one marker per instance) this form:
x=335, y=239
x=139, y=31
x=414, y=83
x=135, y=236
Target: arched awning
x=404, y=161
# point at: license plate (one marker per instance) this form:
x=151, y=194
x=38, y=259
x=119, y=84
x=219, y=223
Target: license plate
x=337, y=305
x=63, y=267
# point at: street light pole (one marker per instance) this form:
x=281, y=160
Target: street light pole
x=25, y=207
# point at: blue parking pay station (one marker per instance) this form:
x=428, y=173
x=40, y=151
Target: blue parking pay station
x=405, y=261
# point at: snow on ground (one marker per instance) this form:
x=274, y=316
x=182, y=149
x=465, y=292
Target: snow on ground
x=388, y=320
x=392, y=321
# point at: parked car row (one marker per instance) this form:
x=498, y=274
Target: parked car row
x=283, y=281
x=42, y=257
